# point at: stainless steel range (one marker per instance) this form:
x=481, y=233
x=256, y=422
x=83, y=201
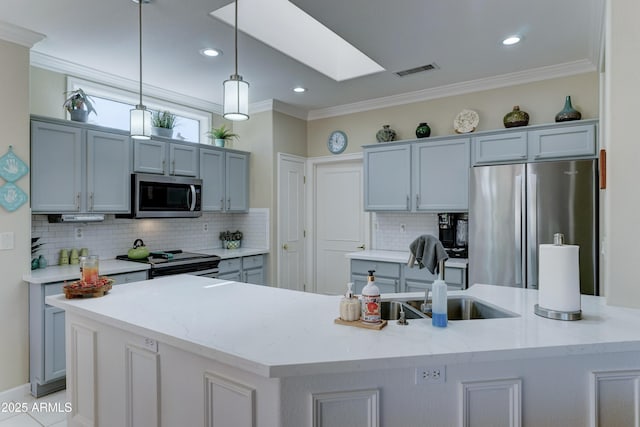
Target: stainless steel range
x=166, y=263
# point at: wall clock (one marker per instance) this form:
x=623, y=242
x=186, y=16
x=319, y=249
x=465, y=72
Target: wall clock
x=337, y=142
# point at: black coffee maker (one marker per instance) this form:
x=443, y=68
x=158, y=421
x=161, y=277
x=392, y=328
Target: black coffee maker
x=452, y=232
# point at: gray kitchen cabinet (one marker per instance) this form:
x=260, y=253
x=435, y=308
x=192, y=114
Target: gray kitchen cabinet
x=501, y=147
x=47, y=363
x=249, y=269
x=387, y=177
x=253, y=269
x=417, y=280
x=74, y=169
x=150, y=156
x=225, y=180
x=387, y=275
x=566, y=140
x=441, y=175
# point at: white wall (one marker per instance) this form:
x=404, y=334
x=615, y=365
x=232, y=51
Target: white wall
x=14, y=311
x=622, y=198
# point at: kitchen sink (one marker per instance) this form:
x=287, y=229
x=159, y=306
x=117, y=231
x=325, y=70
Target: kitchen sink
x=458, y=308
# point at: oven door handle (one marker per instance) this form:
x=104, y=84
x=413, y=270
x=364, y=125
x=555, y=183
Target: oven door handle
x=211, y=272
x=192, y=204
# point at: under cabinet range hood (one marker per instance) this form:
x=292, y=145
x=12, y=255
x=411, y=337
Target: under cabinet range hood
x=76, y=218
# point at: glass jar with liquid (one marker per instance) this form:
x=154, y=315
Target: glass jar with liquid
x=89, y=269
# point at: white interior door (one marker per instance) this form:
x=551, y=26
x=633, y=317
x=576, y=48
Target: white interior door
x=340, y=223
x=291, y=217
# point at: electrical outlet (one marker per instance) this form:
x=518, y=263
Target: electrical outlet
x=431, y=375
x=78, y=233
x=205, y=227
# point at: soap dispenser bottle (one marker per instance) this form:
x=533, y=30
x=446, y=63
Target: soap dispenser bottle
x=371, y=300
x=439, y=304
x=349, y=305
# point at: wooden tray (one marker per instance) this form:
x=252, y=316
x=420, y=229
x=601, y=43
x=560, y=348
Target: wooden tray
x=361, y=324
x=71, y=291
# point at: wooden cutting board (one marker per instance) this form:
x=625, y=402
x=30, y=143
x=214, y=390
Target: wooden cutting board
x=361, y=324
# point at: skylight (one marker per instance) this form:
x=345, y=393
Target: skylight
x=317, y=46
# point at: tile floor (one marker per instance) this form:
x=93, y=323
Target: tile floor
x=51, y=415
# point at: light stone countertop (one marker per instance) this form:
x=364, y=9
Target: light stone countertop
x=276, y=332
x=59, y=273
x=399, y=257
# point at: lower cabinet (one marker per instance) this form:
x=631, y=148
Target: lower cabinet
x=392, y=277
x=249, y=269
x=47, y=363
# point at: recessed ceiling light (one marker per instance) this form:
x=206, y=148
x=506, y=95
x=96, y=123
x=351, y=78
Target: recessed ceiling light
x=211, y=52
x=299, y=89
x=511, y=40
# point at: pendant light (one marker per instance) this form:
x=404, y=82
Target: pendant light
x=235, y=101
x=140, y=117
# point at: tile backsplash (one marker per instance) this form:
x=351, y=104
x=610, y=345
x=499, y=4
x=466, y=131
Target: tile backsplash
x=395, y=231
x=114, y=236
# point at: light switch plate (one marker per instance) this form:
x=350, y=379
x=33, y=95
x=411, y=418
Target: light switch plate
x=7, y=240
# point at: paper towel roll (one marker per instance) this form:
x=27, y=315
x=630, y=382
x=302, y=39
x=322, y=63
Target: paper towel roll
x=559, y=277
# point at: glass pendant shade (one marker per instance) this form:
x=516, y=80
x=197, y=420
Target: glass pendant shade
x=140, y=123
x=235, y=101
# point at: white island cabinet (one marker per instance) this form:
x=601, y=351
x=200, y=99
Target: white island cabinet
x=193, y=351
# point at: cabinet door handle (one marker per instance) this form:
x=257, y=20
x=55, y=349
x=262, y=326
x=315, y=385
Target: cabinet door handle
x=77, y=201
x=361, y=247
x=229, y=204
x=408, y=202
x=417, y=201
x=91, y=201
x=221, y=204
x=164, y=163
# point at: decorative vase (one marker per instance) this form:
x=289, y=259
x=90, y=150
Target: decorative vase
x=219, y=142
x=568, y=113
x=386, y=134
x=516, y=118
x=164, y=132
x=79, y=115
x=423, y=130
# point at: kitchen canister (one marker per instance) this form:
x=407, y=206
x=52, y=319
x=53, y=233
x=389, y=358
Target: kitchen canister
x=559, y=281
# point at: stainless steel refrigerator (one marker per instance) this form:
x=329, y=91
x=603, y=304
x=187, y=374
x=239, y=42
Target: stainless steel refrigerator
x=515, y=208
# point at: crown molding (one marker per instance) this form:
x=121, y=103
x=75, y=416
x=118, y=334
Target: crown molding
x=19, y=35
x=47, y=62
x=504, y=80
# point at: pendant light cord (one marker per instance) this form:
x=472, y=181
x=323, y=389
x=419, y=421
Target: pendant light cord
x=140, y=44
x=236, y=37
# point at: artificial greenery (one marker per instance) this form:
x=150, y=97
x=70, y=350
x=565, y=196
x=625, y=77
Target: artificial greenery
x=163, y=119
x=76, y=100
x=222, y=133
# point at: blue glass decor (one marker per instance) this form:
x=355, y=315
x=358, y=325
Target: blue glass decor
x=12, y=197
x=12, y=168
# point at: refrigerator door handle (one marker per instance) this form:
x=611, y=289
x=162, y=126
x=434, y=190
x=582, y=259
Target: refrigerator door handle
x=532, y=230
x=518, y=233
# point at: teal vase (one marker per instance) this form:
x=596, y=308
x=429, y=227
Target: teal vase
x=423, y=130
x=568, y=113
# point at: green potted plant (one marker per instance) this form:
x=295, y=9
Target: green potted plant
x=162, y=123
x=221, y=135
x=79, y=105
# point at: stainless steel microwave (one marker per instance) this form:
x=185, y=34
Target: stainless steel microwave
x=158, y=196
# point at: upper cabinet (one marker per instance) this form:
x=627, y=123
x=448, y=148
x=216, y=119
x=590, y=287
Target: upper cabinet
x=225, y=180
x=165, y=158
x=575, y=140
x=79, y=170
x=419, y=176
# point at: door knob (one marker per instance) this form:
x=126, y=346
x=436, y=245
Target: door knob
x=361, y=247
x=285, y=247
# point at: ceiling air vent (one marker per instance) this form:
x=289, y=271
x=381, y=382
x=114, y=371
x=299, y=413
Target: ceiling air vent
x=415, y=70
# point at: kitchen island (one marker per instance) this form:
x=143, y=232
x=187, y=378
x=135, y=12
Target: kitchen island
x=196, y=351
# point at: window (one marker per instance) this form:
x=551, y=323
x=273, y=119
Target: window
x=113, y=106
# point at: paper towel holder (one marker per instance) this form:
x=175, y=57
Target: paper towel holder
x=558, y=240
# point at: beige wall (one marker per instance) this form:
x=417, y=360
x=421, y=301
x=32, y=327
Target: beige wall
x=14, y=308
x=46, y=92
x=622, y=198
x=542, y=100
